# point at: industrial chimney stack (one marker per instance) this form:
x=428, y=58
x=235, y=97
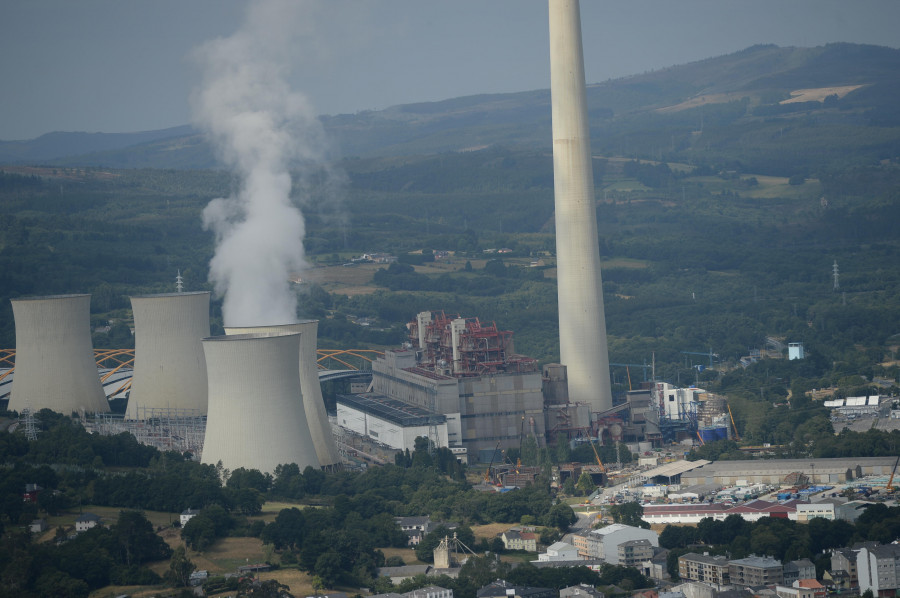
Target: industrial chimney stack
x=582, y=321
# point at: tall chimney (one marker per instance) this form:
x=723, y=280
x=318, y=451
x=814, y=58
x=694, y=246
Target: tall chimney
x=582, y=321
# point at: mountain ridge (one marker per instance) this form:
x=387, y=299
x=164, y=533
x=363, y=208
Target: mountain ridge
x=627, y=115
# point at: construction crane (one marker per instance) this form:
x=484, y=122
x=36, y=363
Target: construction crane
x=487, y=474
x=890, y=484
x=709, y=354
x=737, y=436
x=597, y=456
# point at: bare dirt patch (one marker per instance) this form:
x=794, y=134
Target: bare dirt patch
x=491, y=530
x=346, y=280
x=818, y=94
x=712, y=98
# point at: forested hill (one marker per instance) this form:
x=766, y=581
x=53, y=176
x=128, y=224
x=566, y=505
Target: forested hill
x=766, y=109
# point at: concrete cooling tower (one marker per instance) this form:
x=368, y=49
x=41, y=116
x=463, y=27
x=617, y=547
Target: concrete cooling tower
x=169, y=369
x=55, y=367
x=582, y=321
x=255, y=414
x=319, y=428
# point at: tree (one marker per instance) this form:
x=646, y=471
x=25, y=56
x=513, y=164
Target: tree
x=560, y=516
x=180, y=569
x=629, y=513
x=134, y=535
x=585, y=484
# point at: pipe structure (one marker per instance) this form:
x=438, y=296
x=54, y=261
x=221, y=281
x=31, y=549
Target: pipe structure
x=582, y=320
x=169, y=369
x=55, y=367
x=256, y=418
x=313, y=404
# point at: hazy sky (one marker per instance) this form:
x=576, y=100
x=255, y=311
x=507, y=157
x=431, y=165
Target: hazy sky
x=121, y=65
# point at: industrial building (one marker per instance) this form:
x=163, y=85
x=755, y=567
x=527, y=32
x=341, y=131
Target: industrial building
x=55, y=366
x=468, y=372
x=316, y=416
x=256, y=418
x=774, y=471
x=582, y=320
x=169, y=369
x=393, y=423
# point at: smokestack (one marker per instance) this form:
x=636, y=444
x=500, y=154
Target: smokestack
x=582, y=321
x=55, y=367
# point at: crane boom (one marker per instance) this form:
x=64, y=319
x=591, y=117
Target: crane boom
x=733, y=425
x=890, y=484
x=597, y=456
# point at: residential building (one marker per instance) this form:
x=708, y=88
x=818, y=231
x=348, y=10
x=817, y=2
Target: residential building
x=792, y=592
x=802, y=569
x=187, y=515
x=504, y=589
x=415, y=528
x=634, y=553
x=704, y=568
x=581, y=591
x=604, y=543
x=811, y=584
x=843, y=560
x=430, y=592
x=879, y=569
x=86, y=521
x=755, y=571
x=520, y=539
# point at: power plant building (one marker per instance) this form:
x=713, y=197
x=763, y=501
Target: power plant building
x=390, y=422
x=256, y=418
x=582, y=320
x=468, y=372
x=313, y=404
x=169, y=369
x=55, y=367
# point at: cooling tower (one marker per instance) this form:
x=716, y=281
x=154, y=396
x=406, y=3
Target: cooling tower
x=55, y=365
x=255, y=416
x=313, y=405
x=169, y=370
x=582, y=322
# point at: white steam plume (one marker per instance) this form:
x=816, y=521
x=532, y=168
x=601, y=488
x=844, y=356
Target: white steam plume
x=260, y=129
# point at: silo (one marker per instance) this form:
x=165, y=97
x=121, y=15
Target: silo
x=169, y=369
x=255, y=414
x=55, y=365
x=313, y=404
x=582, y=321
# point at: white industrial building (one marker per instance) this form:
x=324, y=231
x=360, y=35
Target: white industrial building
x=774, y=471
x=55, y=367
x=256, y=418
x=313, y=404
x=855, y=405
x=582, y=320
x=678, y=403
x=390, y=422
x=169, y=369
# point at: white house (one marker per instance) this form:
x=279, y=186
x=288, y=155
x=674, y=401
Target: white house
x=86, y=521
x=187, y=515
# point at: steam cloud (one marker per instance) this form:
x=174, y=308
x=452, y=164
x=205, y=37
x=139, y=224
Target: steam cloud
x=261, y=129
